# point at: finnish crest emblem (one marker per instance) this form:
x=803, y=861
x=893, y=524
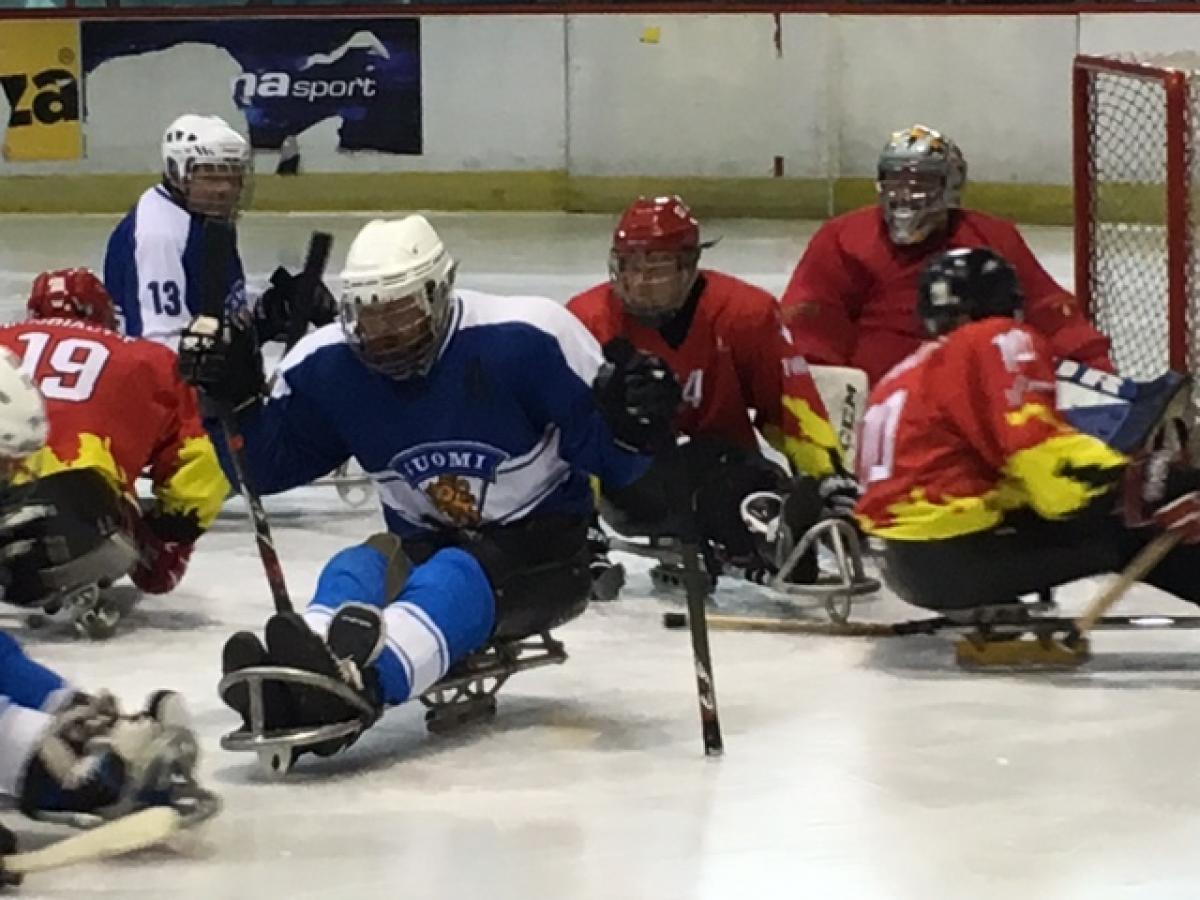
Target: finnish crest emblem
x=452, y=497
x=454, y=476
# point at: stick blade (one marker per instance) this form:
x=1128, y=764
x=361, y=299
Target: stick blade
x=124, y=835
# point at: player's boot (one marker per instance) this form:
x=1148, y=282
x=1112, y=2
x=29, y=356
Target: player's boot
x=356, y=637
x=96, y=764
x=607, y=577
x=292, y=644
x=245, y=651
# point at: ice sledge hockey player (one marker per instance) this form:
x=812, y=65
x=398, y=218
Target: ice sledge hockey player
x=851, y=300
x=480, y=419
x=117, y=408
x=727, y=347
x=154, y=265
x=980, y=489
x=66, y=755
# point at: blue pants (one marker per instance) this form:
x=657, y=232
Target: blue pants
x=444, y=612
x=23, y=681
x=28, y=694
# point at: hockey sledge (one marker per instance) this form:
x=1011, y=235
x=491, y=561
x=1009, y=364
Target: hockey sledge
x=278, y=749
x=1020, y=636
x=466, y=695
x=353, y=488
x=836, y=592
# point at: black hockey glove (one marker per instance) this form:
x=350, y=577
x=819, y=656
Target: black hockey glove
x=638, y=396
x=277, y=307
x=839, y=493
x=223, y=361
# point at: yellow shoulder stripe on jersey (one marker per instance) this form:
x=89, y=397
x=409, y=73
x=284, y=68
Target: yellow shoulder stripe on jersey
x=815, y=449
x=1035, y=411
x=198, y=485
x=1043, y=472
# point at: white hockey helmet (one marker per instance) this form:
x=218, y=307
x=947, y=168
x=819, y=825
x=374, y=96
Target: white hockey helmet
x=23, y=424
x=206, y=164
x=397, y=287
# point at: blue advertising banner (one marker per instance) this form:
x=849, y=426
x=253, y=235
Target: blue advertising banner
x=298, y=72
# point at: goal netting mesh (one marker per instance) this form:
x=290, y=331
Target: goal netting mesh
x=1135, y=175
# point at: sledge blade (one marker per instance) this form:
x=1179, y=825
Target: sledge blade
x=1025, y=652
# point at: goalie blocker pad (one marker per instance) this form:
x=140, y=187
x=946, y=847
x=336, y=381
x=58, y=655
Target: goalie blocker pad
x=1123, y=413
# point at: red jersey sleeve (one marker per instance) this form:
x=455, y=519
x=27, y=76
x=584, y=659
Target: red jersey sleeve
x=1049, y=309
x=759, y=348
x=593, y=309
x=817, y=300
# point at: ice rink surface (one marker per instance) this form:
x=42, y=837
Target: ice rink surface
x=864, y=770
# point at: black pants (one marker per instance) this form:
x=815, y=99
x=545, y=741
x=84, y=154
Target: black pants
x=538, y=569
x=1026, y=556
x=696, y=487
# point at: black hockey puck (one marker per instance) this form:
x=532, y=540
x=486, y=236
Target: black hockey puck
x=674, y=620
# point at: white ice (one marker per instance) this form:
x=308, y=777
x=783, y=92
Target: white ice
x=854, y=769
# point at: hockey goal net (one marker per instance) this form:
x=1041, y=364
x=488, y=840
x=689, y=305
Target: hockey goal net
x=1137, y=275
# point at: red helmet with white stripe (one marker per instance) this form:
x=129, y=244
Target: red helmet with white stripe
x=655, y=254
x=71, y=294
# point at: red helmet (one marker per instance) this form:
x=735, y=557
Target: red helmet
x=664, y=223
x=71, y=294
x=655, y=253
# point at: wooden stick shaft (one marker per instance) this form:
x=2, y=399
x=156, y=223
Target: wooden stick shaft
x=1139, y=567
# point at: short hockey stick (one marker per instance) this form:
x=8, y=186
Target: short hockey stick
x=124, y=835
x=1139, y=567
x=218, y=255
x=308, y=281
x=696, y=581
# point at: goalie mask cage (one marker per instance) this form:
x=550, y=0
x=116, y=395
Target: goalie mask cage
x=1135, y=158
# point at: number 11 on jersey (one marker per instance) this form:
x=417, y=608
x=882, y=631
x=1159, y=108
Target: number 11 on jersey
x=877, y=454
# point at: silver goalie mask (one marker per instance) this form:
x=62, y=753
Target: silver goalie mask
x=921, y=174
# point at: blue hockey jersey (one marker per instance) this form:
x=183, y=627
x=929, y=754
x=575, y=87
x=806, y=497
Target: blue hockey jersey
x=504, y=425
x=154, y=269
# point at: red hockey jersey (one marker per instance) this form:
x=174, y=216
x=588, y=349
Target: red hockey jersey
x=735, y=357
x=117, y=404
x=852, y=300
x=967, y=429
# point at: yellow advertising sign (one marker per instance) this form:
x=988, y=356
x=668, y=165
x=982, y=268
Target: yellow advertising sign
x=39, y=74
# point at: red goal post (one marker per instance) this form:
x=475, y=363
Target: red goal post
x=1135, y=126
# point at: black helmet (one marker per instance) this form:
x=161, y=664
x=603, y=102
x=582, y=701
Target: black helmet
x=969, y=284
